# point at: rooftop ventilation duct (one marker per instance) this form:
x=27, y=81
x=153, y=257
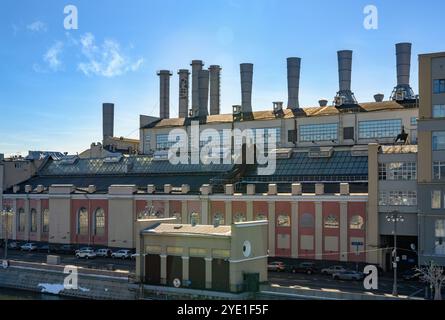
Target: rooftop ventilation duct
x=246, y=87
x=323, y=102
x=164, y=93
x=344, y=96
x=183, y=93
x=107, y=120
x=203, y=83
x=379, y=97
x=403, y=90
x=196, y=68
x=215, y=89
x=293, y=82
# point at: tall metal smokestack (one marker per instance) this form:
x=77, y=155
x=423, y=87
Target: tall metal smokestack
x=246, y=87
x=293, y=82
x=403, y=90
x=215, y=89
x=164, y=93
x=203, y=93
x=196, y=68
x=107, y=120
x=183, y=93
x=344, y=96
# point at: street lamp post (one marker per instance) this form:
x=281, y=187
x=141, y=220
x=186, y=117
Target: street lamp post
x=6, y=213
x=395, y=218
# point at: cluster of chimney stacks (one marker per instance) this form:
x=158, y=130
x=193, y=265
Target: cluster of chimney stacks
x=205, y=88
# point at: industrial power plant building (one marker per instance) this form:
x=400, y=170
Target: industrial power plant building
x=341, y=169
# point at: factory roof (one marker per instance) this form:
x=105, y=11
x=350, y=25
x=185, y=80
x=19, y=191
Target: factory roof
x=287, y=113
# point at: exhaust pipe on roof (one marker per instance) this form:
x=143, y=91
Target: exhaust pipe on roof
x=164, y=93
x=344, y=96
x=196, y=68
x=183, y=92
x=293, y=82
x=246, y=70
x=107, y=121
x=403, y=90
x=215, y=89
x=203, y=93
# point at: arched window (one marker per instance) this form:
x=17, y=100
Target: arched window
x=261, y=216
x=194, y=218
x=331, y=222
x=307, y=220
x=45, y=221
x=356, y=222
x=178, y=216
x=82, y=221
x=99, y=222
x=239, y=217
x=33, y=220
x=220, y=218
x=283, y=220
x=21, y=220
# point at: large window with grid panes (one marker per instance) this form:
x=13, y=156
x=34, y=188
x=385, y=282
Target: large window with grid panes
x=318, y=132
x=388, y=128
x=398, y=171
x=398, y=198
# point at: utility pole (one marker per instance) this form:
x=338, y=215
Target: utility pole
x=394, y=217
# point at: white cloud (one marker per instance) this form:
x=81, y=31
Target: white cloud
x=105, y=60
x=37, y=26
x=52, y=56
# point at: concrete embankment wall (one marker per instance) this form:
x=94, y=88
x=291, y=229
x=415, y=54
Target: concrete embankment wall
x=91, y=284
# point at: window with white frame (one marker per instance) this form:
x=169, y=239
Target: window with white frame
x=82, y=222
x=438, y=170
x=398, y=198
x=398, y=171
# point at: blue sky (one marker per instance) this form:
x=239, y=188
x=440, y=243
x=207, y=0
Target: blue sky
x=53, y=81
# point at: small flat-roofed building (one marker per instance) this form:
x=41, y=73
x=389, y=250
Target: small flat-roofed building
x=212, y=257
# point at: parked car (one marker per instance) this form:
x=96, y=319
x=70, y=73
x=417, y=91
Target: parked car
x=28, y=247
x=410, y=275
x=134, y=255
x=44, y=248
x=13, y=245
x=66, y=249
x=348, y=275
x=86, y=253
x=84, y=248
x=121, y=254
x=333, y=269
x=304, y=267
x=277, y=266
x=105, y=253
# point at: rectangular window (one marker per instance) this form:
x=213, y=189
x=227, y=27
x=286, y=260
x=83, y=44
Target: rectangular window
x=398, y=171
x=439, y=170
x=439, y=111
x=318, y=132
x=398, y=198
x=291, y=135
x=379, y=128
x=439, y=232
x=436, y=196
x=267, y=133
x=348, y=133
x=413, y=134
x=414, y=121
x=439, y=86
x=438, y=140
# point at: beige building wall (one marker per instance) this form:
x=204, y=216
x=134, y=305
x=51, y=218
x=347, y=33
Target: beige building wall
x=372, y=218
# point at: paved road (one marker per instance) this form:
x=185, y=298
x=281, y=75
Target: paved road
x=319, y=281
x=96, y=263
